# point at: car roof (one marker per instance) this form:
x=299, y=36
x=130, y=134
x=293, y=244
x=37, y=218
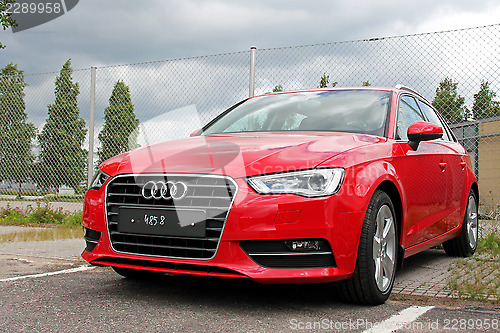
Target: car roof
x=397, y=89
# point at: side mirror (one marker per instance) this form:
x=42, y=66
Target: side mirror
x=423, y=131
x=195, y=132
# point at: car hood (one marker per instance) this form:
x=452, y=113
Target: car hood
x=237, y=154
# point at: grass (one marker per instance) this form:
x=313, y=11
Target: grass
x=490, y=244
x=478, y=277
x=50, y=223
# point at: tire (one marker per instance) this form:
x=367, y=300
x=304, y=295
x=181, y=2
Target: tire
x=136, y=274
x=376, y=262
x=465, y=244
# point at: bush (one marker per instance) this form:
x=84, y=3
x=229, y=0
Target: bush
x=41, y=214
x=13, y=215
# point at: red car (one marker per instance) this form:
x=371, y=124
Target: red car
x=310, y=186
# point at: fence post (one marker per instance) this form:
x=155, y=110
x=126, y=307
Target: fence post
x=253, y=50
x=90, y=162
x=476, y=148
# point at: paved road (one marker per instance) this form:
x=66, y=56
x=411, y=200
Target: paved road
x=99, y=300
x=69, y=249
x=44, y=286
x=424, y=274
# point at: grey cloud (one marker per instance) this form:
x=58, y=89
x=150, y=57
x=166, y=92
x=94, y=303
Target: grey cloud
x=115, y=31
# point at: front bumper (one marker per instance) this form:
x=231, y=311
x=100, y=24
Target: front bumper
x=252, y=217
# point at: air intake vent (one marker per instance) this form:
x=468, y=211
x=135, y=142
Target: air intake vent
x=91, y=239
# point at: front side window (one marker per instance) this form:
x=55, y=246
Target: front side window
x=433, y=118
x=354, y=111
x=408, y=113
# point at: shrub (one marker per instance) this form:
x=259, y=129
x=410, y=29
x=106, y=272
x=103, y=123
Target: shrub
x=41, y=214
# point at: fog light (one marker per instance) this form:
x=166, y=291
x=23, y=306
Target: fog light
x=304, y=245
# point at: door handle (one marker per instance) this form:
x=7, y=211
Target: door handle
x=463, y=165
x=443, y=165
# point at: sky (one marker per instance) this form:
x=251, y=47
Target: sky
x=173, y=85
x=112, y=32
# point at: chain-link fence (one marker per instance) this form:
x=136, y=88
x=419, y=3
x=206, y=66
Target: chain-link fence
x=44, y=125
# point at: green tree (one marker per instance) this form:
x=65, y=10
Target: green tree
x=16, y=134
x=6, y=19
x=325, y=80
x=366, y=84
x=448, y=102
x=484, y=103
x=278, y=88
x=62, y=159
x=120, y=124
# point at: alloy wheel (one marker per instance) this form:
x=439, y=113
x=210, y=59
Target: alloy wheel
x=472, y=222
x=384, y=248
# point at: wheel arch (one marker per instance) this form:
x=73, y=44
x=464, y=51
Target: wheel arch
x=475, y=188
x=392, y=191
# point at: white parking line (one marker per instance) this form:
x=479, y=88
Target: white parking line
x=66, y=271
x=402, y=319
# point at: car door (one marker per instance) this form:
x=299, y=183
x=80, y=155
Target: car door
x=424, y=180
x=454, y=156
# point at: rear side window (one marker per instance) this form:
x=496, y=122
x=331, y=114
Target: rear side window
x=432, y=117
x=408, y=113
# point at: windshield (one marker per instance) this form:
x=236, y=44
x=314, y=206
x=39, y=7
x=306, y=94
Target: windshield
x=354, y=111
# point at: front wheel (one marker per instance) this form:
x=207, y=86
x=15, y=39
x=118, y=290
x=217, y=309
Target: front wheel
x=375, y=269
x=465, y=244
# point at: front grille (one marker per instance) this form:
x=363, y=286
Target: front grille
x=211, y=194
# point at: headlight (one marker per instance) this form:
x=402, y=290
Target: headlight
x=99, y=179
x=308, y=183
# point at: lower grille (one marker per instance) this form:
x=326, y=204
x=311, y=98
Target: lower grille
x=276, y=254
x=212, y=195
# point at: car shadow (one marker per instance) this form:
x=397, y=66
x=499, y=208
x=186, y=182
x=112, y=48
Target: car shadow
x=209, y=292
x=206, y=291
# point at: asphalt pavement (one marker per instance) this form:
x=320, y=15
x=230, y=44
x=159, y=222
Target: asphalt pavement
x=87, y=299
x=46, y=286
x=423, y=274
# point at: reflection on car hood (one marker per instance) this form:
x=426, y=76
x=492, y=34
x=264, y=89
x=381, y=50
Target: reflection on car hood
x=237, y=154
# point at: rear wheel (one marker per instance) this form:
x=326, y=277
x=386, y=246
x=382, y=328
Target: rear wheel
x=465, y=244
x=375, y=269
x=136, y=273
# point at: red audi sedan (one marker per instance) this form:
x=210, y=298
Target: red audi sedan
x=330, y=186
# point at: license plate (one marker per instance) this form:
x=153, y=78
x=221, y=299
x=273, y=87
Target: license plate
x=164, y=222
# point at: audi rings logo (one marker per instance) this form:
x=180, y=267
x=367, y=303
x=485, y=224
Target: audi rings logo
x=164, y=190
